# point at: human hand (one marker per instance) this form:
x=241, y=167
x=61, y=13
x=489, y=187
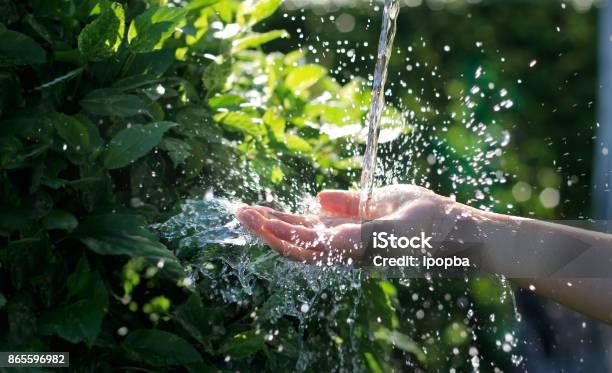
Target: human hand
x=333, y=235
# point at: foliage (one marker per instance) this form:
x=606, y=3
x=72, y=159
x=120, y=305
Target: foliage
x=111, y=113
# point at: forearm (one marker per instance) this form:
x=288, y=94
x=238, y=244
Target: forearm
x=528, y=248
x=569, y=265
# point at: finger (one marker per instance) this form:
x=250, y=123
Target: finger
x=339, y=202
x=303, y=244
x=254, y=221
x=339, y=245
x=333, y=221
x=251, y=219
x=298, y=235
x=307, y=221
x=289, y=250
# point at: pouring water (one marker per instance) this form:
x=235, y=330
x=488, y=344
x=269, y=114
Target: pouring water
x=377, y=107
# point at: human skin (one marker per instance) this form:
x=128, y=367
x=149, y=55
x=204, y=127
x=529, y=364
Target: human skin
x=333, y=235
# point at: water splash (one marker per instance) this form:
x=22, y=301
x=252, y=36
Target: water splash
x=205, y=222
x=385, y=46
x=231, y=267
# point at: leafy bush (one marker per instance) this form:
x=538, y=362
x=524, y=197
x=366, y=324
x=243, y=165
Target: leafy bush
x=112, y=113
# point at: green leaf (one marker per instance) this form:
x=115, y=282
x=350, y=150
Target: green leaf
x=88, y=8
x=269, y=169
x=276, y=122
x=256, y=39
x=242, y=122
x=153, y=63
x=373, y=363
x=134, y=82
x=71, y=130
x=149, y=30
x=17, y=49
x=79, y=280
x=113, y=103
x=202, y=323
x=195, y=162
x=2, y=301
x=333, y=112
x=294, y=57
x=119, y=234
x=195, y=122
x=297, y=144
x=400, y=340
x=60, y=219
x=101, y=38
x=81, y=319
x=215, y=76
x=159, y=348
x=245, y=344
x=258, y=11
x=304, y=77
x=178, y=150
x=197, y=4
x=134, y=142
x=225, y=101
x=380, y=295
x=277, y=175
x=126, y=234
x=95, y=141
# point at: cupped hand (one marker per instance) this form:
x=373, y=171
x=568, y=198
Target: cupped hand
x=333, y=235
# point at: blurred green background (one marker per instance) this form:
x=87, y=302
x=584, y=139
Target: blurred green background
x=553, y=118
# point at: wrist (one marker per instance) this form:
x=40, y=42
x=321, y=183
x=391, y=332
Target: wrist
x=481, y=235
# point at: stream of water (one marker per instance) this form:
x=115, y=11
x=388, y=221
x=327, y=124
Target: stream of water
x=377, y=107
